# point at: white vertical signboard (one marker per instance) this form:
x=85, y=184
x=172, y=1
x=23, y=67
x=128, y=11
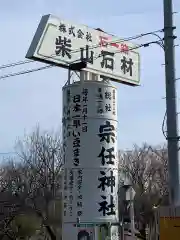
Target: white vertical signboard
x=90, y=141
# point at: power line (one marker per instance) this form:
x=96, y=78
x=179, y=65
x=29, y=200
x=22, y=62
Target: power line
x=137, y=47
x=15, y=64
x=25, y=72
x=7, y=153
x=50, y=66
x=124, y=40
x=78, y=50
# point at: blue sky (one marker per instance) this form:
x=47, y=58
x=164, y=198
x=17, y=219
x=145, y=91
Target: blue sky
x=35, y=98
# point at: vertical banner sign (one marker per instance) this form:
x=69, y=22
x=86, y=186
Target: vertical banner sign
x=91, y=163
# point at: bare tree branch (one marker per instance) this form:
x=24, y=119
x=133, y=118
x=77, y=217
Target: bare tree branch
x=36, y=177
x=146, y=169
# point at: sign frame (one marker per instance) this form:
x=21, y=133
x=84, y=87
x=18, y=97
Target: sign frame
x=47, y=22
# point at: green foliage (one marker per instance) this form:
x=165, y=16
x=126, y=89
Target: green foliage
x=26, y=225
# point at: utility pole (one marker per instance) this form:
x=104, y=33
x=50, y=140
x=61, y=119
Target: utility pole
x=172, y=129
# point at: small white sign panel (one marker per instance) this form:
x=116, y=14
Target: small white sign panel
x=63, y=43
x=71, y=231
x=115, y=233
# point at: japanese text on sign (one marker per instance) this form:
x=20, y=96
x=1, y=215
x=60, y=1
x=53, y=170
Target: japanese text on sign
x=106, y=101
x=79, y=192
x=64, y=43
x=80, y=107
x=107, y=179
x=80, y=111
x=65, y=192
x=70, y=187
x=63, y=47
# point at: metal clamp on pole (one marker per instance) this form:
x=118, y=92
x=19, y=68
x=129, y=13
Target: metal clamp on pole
x=78, y=66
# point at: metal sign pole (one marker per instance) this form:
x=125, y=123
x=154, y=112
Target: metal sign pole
x=69, y=76
x=89, y=114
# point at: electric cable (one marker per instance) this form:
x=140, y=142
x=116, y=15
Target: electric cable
x=15, y=64
x=7, y=153
x=78, y=50
x=50, y=66
x=25, y=72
